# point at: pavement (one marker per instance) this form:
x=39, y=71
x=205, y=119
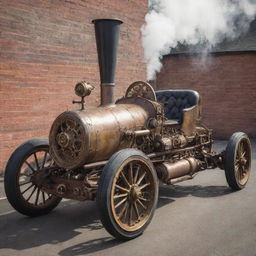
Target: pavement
x=197, y=217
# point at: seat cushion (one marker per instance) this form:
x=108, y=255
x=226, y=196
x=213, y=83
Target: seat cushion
x=175, y=101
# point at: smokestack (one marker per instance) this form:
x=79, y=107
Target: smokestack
x=107, y=35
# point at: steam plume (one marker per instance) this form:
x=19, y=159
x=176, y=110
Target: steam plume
x=191, y=22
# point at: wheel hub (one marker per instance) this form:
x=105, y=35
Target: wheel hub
x=64, y=139
x=135, y=193
x=243, y=161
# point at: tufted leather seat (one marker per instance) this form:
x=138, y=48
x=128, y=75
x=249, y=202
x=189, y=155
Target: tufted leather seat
x=175, y=101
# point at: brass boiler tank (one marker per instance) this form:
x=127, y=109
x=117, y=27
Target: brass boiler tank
x=94, y=134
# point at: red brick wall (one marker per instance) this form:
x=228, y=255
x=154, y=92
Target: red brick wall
x=46, y=47
x=227, y=84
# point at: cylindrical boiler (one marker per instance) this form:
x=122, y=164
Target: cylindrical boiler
x=79, y=137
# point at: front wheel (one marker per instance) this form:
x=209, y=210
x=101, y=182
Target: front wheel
x=127, y=194
x=237, y=160
x=22, y=192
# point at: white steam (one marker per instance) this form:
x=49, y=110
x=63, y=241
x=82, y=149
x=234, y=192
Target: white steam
x=191, y=22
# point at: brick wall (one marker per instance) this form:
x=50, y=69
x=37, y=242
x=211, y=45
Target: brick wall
x=46, y=47
x=226, y=83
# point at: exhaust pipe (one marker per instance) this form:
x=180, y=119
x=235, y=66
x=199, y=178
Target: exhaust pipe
x=170, y=173
x=107, y=35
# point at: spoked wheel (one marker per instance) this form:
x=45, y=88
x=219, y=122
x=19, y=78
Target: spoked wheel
x=127, y=194
x=20, y=188
x=238, y=160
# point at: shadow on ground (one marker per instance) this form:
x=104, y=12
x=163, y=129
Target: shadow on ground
x=167, y=194
x=19, y=232
x=90, y=246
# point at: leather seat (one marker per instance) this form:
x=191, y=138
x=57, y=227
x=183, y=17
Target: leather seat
x=175, y=101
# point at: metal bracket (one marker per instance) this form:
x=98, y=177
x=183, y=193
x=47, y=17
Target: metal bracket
x=82, y=102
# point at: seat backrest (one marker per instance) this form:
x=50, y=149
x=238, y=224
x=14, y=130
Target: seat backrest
x=175, y=101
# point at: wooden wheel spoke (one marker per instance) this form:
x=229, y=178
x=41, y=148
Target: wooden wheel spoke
x=29, y=165
x=242, y=170
x=122, y=188
x=136, y=210
x=130, y=215
x=27, y=189
x=141, y=178
x=43, y=196
x=120, y=195
x=141, y=204
x=131, y=173
x=243, y=154
x=31, y=194
x=51, y=162
x=120, y=215
x=124, y=179
x=121, y=202
x=36, y=160
x=136, y=174
x=239, y=150
x=126, y=215
x=44, y=160
x=144, y=186
x=239, y=172
x=143, y=199
x=37, y=196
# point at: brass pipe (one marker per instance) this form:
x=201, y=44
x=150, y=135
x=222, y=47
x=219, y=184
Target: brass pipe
x=180, y=179
x=167, y=171
x=141, y=133
x=94, y=165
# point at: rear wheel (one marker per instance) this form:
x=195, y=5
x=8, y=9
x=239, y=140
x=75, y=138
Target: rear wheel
x=238, y=160
x=127, y=194
x=21, y=191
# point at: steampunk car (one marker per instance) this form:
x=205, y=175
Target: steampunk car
x=117, y=152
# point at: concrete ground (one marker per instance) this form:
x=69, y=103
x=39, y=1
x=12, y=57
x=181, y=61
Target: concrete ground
x=198, y=217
